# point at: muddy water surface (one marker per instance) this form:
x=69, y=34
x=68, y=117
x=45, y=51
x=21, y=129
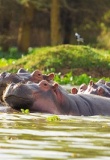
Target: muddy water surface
x=33, y=137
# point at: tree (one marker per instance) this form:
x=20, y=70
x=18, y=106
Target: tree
x=27, y=20
x=62, y=18
x=24, y=32
x=6, y=17
x=55, y=22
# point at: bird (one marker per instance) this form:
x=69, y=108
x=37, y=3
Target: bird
x=79, y=39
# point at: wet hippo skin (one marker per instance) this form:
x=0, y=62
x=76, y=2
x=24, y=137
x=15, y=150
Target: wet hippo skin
x=22, y=76
x=49, y=98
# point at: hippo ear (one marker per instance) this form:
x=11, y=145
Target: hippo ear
x=91, y=83
x=100, y=91
x=74, y=90
x=55, y=85
x=51, y=76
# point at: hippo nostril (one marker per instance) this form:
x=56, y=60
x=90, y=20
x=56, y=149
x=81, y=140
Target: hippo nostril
x=39, y=74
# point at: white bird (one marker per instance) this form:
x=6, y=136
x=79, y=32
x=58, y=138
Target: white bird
x=79, y=39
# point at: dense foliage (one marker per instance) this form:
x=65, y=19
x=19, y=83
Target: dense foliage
x=31, y=23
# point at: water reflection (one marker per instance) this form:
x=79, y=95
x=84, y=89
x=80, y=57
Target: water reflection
x=33, y=137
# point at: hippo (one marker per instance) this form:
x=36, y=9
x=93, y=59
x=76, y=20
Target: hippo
x=35, y=76
x=99, y=88
x=22, y=76
x=81, y=89
x=45, y=97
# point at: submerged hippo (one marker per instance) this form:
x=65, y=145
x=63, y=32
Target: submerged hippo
x=50, y=98
x=36, y=76
x=81, y=89
x=100, y=88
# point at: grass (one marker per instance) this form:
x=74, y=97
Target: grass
x=76, y=63
x=9, y=58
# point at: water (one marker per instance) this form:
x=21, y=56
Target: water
x=33, y=137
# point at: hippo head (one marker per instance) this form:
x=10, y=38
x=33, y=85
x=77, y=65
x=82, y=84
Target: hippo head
x=17, y=96
x=42, y=97
x=82, y=88
x=37, y=76
x=91, y=88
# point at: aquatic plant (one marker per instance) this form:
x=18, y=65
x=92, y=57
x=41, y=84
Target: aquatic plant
x=53, y=118
x=25, y=111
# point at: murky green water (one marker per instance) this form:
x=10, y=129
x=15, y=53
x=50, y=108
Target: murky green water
x=32, y=137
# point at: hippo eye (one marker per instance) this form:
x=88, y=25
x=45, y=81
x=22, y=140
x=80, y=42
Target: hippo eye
x=45, y=84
